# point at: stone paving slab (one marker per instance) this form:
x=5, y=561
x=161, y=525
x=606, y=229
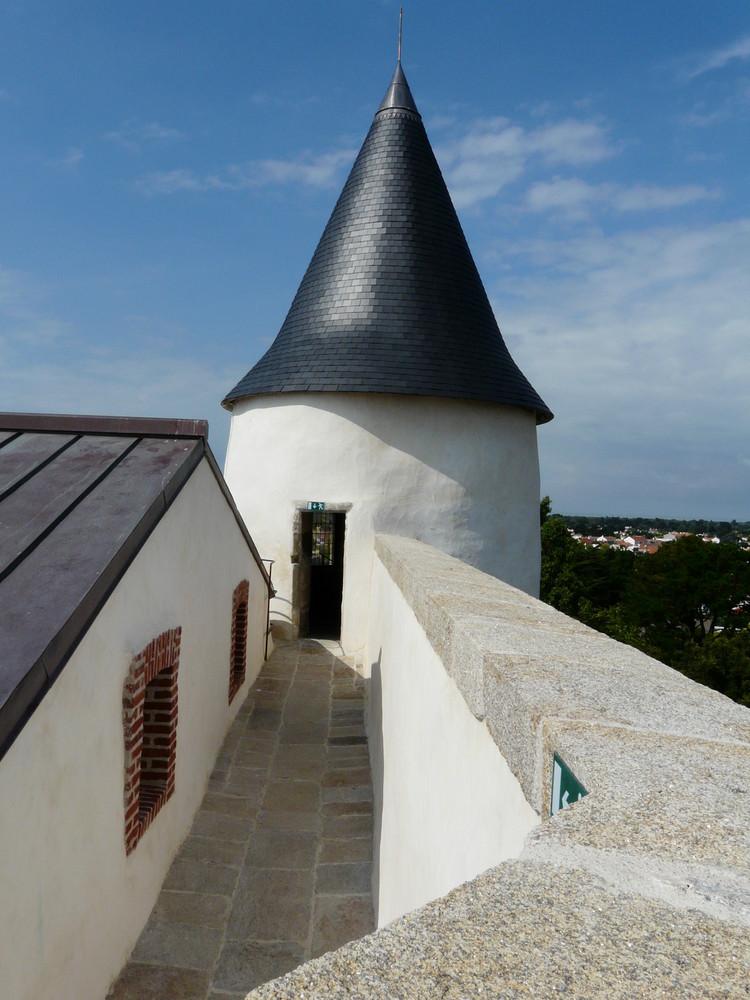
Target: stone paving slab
x=282, y=849
x=339, y=919
x=157, y=982
x=277, y=868
x=195, y=909
x=348, y=849
x=203, y=849
x=245, y=964
x=178, y=946
x=206, y=876
x=271, y=904
x=349, y=879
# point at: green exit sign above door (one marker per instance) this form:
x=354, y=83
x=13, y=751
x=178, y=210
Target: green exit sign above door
x=566, y=788
x=315, y=505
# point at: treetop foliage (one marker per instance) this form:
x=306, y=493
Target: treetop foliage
x=687, y=604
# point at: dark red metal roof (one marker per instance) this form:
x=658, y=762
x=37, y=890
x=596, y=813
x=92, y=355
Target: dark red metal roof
x=78, y=498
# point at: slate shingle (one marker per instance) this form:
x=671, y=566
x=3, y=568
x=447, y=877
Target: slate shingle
x=393, y=284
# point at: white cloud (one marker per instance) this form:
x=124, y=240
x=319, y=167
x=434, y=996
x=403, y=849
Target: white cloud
x=24, y=324
x=490, y=154
x=47, y=364
x=133, y=136
x=735, y=106
x=321, y=171
x=575, y=198
x=542, y=109
x=638, y=343
x=313, y=171
x=718, y=58
x=121, y=383
x=495, y=152
x=173, y=182
x=572, y=196
x=644, y=197
x=439, y=121
x=155, y=132
x=571, y=141
x=70, y=160
x=10, y=282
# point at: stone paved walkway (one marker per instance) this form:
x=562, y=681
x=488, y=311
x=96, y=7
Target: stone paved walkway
x=276, y=869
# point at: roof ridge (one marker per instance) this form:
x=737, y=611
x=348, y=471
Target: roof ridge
x=88, y=424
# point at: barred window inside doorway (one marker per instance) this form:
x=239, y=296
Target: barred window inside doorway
x=322, y=538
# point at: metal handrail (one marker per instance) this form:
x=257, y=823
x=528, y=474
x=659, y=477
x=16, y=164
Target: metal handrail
x=271, y=593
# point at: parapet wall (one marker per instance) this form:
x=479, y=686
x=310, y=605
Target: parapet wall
x=642, y=888
x=446, y=804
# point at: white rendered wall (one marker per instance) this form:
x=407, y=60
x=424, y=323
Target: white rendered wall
x=461, y=476
x=447, y=806
x=72, y=904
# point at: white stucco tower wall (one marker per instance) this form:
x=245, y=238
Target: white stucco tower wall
x=462, y=476
x=388, y=395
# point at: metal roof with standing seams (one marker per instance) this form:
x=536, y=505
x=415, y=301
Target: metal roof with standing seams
x=79, y=496
x=392, y=301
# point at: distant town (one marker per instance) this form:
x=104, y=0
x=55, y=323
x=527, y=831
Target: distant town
x=647, y=535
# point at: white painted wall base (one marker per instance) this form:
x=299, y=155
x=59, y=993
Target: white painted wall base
x=447, y=805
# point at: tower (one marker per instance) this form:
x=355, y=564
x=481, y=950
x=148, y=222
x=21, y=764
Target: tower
x=388, y=402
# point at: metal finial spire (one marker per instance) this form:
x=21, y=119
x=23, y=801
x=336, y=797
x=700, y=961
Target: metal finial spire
x=400, y=19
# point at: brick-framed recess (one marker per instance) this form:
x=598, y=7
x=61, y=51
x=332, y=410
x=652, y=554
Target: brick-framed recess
x=149, y=710
x=238, y=655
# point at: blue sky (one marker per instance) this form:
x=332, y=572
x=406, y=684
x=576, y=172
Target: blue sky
x=167, y=169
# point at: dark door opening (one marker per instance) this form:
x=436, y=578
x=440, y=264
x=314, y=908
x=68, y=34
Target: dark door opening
x=323, y=545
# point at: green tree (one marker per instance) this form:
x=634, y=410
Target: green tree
x=559, y=585
x=685, y=590
x=612, y=620
x=545, y=507
x=722, y=662
x=605, y=574
x=688, y=604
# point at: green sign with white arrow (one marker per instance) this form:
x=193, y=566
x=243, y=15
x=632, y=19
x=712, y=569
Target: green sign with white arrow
x=566, y=788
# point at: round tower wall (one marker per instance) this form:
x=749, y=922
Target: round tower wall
x=462, y=476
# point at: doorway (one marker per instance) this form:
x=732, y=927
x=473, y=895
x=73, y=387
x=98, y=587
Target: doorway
x=321, y=576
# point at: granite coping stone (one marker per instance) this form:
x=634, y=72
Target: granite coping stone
x=528, y=929
x=520, y=692
x=642, y=888
x=655, y=794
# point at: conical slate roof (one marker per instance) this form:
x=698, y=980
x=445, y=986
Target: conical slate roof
x=392, y=301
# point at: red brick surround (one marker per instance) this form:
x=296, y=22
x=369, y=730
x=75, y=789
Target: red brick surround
x=149, y=709
x=238, y=655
